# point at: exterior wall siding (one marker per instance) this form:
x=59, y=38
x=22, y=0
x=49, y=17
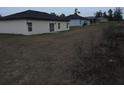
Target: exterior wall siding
x=38, y=27
x=63, y=26
x=76, y=22
x=13, y=27
x=87, y=22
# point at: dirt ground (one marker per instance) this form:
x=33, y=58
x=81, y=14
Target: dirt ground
x=48, y=58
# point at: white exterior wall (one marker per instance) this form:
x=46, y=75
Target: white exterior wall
x=38, y=27
x=63, y=26
x=87, y=22
x=13, y=27
x=103, y=20
x=76, y=22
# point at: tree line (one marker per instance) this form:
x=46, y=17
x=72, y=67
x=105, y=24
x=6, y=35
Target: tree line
x=111, y=15
x=63, y=15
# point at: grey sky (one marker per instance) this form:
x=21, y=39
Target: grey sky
x=85, y=11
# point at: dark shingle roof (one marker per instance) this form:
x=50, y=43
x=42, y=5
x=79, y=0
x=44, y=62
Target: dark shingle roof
x=75, y=16
x=36, y=15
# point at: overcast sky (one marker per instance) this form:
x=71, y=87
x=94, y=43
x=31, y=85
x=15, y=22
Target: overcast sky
x=84, y=11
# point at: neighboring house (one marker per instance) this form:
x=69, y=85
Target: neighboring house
x=92, y=19
x=102, y=19
x=77, y=21
x=32, y=22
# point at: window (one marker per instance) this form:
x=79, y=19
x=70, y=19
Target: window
x=58, y=25
x=51, y=25
x=67, y=25
x=80, y=21
x=29, y=26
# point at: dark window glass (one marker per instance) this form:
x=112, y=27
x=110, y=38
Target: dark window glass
x=29, y=26
x=67, y=25
x=51, y=27
x=58, y=25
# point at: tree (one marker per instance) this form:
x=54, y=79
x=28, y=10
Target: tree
x=99, y=14
x=105, y=15
x=76, y=11
x=53, y=13
x=62, y=15
x=110, y=15
x=118, y=14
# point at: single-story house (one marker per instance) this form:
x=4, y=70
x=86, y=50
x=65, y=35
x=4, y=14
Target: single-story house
x=77, y=21
x=32, y=22
x=92, y=19
x=101, y=19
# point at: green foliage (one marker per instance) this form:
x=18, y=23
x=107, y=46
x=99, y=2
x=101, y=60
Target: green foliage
x=105, y=15
x=115, y=15
x=62, y=16
x=98, y=14
x=110, y=15
x=118, y=14
x=76, y=11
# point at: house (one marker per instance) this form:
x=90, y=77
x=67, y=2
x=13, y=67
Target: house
x=77, y=21
x=32, y=22
x=101, y=19
x=92, y=19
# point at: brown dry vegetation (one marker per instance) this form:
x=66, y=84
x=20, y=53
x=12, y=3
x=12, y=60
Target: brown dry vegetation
x=91, y=55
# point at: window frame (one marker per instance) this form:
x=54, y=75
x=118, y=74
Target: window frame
x=67, y=25
x=59, y=26
x=29, y=24
x=80, y=22
x=51, y=26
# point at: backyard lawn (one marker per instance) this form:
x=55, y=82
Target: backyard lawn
x=71, y=57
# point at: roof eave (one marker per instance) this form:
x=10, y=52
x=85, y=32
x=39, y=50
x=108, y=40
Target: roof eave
x=6, y=19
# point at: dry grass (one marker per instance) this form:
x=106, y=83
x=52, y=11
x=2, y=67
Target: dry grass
x=50, y=59
x=103, y=63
